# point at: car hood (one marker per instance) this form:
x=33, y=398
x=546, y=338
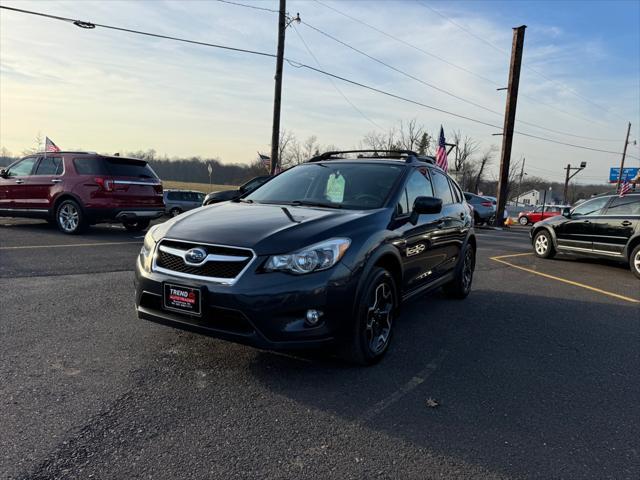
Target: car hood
x=267, y=229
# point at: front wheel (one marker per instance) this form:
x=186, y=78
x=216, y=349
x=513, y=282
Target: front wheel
x=371, y=333
x=174, y=212
x=460, y=286
x=137, y=226
x=543, y=245
x=523, y=221
x=69, y=217
x=634, y=261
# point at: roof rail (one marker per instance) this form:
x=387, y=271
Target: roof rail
x=409, y=155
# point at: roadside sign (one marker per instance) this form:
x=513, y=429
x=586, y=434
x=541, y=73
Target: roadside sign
x=209, y=169
x=629, y=173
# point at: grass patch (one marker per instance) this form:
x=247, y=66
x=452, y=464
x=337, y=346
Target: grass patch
x=201, y=187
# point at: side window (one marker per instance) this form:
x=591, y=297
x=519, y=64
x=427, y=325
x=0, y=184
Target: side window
x=592, y=207
x=624, y=206
x=418, y=185
x=457, y=193
x=441, y=186
x=49, y=166
x=403, y=206
x=23, y=167
x=89, y=166
x=172, y=196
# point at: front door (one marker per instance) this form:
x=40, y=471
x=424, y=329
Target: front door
x=577, y=232
x=14, y=185
x=421, y=245
x=614, y=229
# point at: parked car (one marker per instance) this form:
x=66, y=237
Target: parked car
x=76, y=189
x=225, y=195
x=179, y=201
x=323, y=254
x=532, y=216
x=607, y=226
x=484, y=209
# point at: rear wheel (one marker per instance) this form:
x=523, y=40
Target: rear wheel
x=543, y=245
x=523, y=221
x=460, y=286
x=136, y=226
x=634, y=261
x=69, y=217
x=371, y=333
x=174, y=212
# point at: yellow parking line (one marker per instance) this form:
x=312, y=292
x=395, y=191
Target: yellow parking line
x=97, y=244
x=512, y=255
x=563, y=280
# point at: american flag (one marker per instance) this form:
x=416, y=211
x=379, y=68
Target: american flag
x=49, y=146
x=625, y=188
x=441, y=153
x=265, y=160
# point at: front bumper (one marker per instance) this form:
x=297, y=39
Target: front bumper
x=265, y=310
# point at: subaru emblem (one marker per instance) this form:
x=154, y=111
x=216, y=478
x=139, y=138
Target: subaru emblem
x=195, y=255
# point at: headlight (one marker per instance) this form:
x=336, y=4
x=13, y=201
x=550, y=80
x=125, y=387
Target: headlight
x=148, y=247
x=316, y=257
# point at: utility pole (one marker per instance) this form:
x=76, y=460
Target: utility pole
x=568, y=177
x=509, y=120
x=275, y=133
x=520, y=182
x=624, y=154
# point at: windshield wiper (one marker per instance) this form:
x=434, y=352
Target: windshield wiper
x=308, y=203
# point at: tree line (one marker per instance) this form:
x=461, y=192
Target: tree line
x=469, y=164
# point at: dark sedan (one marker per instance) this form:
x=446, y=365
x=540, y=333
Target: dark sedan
x=226, y=195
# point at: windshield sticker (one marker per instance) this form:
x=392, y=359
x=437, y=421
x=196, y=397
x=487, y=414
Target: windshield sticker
x=335, y=187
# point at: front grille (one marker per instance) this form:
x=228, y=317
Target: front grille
x=217, y=269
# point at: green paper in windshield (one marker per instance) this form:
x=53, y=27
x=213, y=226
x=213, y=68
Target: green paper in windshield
x=335, y=188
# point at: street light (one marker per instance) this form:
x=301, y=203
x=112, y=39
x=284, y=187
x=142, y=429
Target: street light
x=568, y=177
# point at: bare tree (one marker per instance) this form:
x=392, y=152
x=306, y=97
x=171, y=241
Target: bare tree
x=286, y=150
x=466, y=147
x=484, y=161
x=410, y=134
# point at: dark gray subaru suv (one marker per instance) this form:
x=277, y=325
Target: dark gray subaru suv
x=323, y=254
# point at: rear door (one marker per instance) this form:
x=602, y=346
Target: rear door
x=452, y=217
x=577, y=232
x=14, y=187
x=45, y=183
x=615, y=227
x=135, y=184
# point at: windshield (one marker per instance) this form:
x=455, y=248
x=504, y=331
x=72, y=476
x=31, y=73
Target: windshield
x=358, y=186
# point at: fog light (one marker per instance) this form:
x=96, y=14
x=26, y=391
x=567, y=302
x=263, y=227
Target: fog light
x=313, y=317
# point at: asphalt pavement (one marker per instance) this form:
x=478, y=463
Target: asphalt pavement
x=535, y=375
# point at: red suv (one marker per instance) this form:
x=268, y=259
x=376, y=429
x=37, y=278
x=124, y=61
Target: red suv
x=76, y=189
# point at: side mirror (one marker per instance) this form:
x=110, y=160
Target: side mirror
x=566, y=212
x=3, y=173
x=427, y=205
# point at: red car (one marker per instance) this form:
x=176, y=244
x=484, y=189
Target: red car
x=535, y=215
x=76, y=189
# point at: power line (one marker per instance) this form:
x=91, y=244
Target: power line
x=466, y=70
x=296, y=64
x=446, y=92
x=534, y=70
x=248, y=6
x=332, y=81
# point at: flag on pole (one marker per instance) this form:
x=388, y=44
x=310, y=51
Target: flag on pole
x=265, y=160
x=625, y=187
x=441, y=153
x=49, y=146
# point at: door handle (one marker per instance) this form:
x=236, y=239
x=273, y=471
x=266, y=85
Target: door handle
x=56, y=180
x=626, y=223
x=19, y=182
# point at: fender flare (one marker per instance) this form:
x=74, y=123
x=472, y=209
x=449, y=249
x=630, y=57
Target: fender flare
x=551, y=231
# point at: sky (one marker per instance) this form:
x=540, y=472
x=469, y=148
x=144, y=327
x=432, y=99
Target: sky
x=111, y=91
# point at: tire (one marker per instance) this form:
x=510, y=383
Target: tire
x=460, y=286
x=174, y=212
x=70, y=217
x=634, y=261
x=543, y=245
x=371, y=333
x=523, y=221
x=137, y=226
